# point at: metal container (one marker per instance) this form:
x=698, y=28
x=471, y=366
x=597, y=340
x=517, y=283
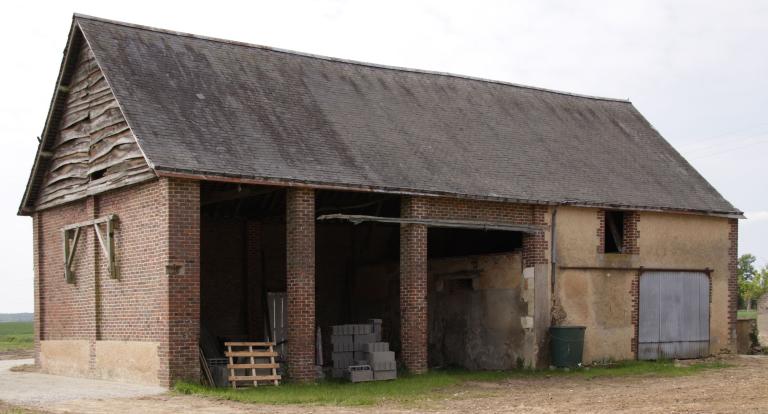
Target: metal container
x=566, y=345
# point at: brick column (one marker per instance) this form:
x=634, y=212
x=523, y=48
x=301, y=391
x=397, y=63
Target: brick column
x=179, y=349
x=733, y=279
x=300, y=277
x=413, y=287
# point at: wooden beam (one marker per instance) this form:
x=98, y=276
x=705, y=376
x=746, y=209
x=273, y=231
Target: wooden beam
x=69, y=252
x=89, y=222
x=462, y=224
x=638, y=269
x=257, y=354
x=106, y=241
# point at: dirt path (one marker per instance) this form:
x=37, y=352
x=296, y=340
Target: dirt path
x=739, y=389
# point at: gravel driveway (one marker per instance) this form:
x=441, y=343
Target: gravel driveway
x=42, y=390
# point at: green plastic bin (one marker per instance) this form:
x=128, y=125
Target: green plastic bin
x=566, y=345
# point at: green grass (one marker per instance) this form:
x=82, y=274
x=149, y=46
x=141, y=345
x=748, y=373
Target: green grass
x=747, y=314
x=16, y=335
x=413, y=389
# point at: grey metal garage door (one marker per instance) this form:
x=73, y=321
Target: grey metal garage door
x=674, y=315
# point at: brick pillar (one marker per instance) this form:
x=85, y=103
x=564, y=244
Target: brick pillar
x=413, y=287
x=733, y=279
x=179, y=349
x=300, y=278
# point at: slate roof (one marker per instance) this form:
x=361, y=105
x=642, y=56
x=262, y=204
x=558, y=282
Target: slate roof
x=203, y=106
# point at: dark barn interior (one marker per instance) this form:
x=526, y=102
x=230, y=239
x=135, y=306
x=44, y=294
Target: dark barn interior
x=243, y=268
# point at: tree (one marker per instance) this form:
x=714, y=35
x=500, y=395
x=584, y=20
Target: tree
x=753, y=283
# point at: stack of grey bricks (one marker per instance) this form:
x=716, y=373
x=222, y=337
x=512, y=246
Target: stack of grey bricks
x=359, y=355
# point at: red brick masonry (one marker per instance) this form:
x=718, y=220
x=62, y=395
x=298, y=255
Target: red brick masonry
x=300, y=237
x=156, y=298
x=733, y=278
x=413, y=286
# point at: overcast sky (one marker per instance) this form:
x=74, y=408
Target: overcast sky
x=697, y=70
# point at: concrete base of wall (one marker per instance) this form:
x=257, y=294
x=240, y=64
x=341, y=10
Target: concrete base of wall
x=124, y=361
x=68, y=357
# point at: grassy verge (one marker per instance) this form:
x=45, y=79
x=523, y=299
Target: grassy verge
x=747, y=314
x=6, y=408
x=16, y=335
x=433, y=385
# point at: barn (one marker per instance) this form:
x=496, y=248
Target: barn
x=188, y=190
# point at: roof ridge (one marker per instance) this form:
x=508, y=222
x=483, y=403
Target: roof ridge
x=342, y=60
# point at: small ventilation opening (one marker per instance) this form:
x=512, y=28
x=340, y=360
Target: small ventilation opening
x=614, y=232
x=97, y=174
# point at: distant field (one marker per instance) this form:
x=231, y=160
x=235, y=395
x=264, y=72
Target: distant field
x=16, y=335
x=16, y=317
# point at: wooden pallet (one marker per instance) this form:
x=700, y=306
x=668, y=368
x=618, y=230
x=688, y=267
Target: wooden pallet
x=246, y=372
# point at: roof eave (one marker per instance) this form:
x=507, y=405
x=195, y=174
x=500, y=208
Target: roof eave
x=162, y=171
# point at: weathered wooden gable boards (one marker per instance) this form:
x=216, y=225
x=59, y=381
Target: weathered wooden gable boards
x=94, y=149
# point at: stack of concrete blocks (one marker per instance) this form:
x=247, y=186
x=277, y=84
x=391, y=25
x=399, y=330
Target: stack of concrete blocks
x=359, y=355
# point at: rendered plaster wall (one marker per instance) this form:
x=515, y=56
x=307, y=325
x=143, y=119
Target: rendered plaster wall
x=125, y=361
x=603, y=300
x=65, y=357
x=479, y=323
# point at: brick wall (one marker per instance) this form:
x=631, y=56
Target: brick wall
x=733, y=278
x=413, y=285
x=183, y=281
x=535, y=247
x=300, y=275
x=631, y=232
x=158, y=226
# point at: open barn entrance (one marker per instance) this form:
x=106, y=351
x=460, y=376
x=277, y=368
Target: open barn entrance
x=476, y=298
x=243, y=265
x=479, y=309
x=357, y=264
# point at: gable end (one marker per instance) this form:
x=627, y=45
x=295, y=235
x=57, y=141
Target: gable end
x=88, y=147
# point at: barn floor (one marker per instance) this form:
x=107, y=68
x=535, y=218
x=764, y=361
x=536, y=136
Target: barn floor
x=739, y=388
